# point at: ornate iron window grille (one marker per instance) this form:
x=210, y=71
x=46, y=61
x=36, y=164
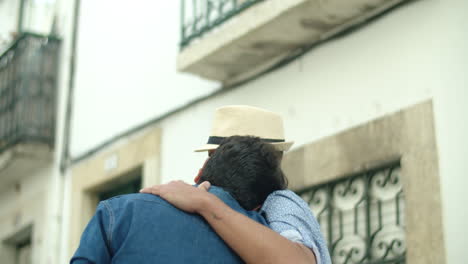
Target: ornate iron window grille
x=362, y=216
x=200, y=16
x=28, y=90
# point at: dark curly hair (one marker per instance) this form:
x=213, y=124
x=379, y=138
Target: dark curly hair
x=247, y=168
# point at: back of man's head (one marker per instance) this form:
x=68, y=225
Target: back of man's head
x=247, y=168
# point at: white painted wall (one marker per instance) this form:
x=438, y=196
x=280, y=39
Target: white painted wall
x=451, y=59
x=60, y=191
x=416, y=53
x=377, y=70
x=126, y=70
x=126, y=75
x=25, y=204
x=8, y=21
x=38, y=18
x=38, y=15
x=40, y=199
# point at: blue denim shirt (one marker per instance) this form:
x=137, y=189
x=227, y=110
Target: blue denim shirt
x=143, y=228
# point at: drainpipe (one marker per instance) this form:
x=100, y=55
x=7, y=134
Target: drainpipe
x=65, y=150
x=19, y=28
x=65, y=157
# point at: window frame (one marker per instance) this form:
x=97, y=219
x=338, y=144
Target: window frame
x=408, y=136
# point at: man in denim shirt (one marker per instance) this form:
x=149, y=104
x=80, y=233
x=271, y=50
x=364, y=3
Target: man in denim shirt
x=295, y=235
x=142, y=228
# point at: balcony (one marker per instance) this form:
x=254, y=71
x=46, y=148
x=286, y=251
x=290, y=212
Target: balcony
x=232, y=40
x=28, y=91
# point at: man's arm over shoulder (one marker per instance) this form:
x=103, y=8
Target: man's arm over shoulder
x=95, y=241
x=252, y=241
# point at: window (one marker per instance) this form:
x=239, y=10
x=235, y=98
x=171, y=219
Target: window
x=23, y=252
x=362, y=216
x=17, y=249
x=132, y=186
x=125, y=183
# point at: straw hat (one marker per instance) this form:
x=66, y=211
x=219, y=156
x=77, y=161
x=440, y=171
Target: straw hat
x=242, y=120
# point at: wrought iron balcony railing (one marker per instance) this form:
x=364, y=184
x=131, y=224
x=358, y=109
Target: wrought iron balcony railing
x=200, y=16
x=362, y=217
x=28, y=90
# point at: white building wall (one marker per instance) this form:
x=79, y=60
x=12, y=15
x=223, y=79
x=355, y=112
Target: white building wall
x=126, y=75
x=126, y=68
x=39, y=201
x=411, y=55
x=38, y=16
x=59, y=183
x=451, y=60
x=25, y=204
x=343, y=83
x=8, y=21
x=45, y=12
x=8, y=16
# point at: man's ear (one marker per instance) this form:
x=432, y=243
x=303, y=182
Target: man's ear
x=256, y=209
x=197, y=178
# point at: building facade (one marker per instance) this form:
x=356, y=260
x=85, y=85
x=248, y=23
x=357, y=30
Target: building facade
x=371, y=91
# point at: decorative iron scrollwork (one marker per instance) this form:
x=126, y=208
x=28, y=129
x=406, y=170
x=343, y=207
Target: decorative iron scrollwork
x=362, y=216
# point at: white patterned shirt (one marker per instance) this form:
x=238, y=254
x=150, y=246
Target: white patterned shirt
x=291, y=217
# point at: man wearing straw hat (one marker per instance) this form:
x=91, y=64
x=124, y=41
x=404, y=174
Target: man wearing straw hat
x=294, y=236
x=142, y=228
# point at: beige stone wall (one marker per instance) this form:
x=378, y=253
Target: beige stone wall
x=408, y=136
x=113, y=165
x=23, y=213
